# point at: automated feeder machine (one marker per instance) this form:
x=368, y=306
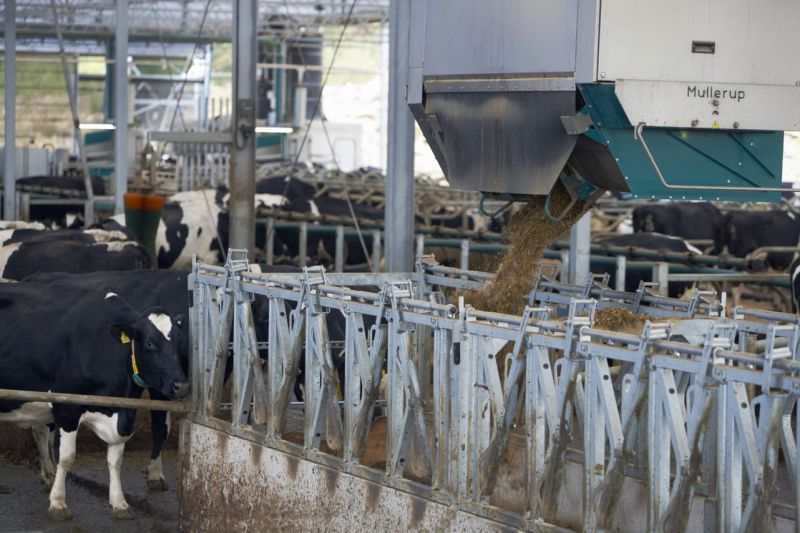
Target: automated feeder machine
x=683, y=100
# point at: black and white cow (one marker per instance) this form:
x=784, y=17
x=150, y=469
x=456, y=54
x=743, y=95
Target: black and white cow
x=113, y=228
x=470, y=219
x=142, y=289
x=197, y=223
x=41, y=252
x=88, y=236
x=286, y=186
x=69, y=340
x=194, y=223
x=740, y=233
x=188, y=226
x=21, y=224
x=648, y=241
x=322, y=247
x=167, y=289
x=687, y=220
x=794, y=277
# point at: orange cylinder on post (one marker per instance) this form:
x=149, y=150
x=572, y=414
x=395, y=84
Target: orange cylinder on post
x=142, y=215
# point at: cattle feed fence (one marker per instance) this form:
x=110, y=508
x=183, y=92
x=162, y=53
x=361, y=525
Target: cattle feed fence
x=521, y=420
x=664, y=267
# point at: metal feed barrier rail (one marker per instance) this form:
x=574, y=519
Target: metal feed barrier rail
x=690, y=423
x=665, y=267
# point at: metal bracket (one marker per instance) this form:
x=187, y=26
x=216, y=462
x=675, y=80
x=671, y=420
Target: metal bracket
x=577, y=124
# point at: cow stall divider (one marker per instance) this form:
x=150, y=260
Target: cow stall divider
x=491, y=419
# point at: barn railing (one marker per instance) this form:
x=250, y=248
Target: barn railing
x=573, y=418
x=461, y=247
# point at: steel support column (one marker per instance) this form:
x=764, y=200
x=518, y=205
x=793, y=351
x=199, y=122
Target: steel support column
x=243, y=160
x=108, y=84
x=399, y=212
x=71, y=82
x=579, y=249
x=121, y=106
x=10, y=98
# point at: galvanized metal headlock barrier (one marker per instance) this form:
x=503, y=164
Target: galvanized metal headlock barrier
x=704, y=405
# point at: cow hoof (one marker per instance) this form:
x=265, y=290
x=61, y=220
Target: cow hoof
x=124, y=513
x=60, y=513
x=157, y=485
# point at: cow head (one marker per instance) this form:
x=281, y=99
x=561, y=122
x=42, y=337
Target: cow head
x=156, y=340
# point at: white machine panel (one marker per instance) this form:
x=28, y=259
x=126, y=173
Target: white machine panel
x=753, y=41
x=30, y=161
x=704, y=63
x=679, y=104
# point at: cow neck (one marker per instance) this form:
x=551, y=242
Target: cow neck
x=137, y=378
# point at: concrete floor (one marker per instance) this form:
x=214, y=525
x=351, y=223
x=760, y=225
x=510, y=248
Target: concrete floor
x=23, y=499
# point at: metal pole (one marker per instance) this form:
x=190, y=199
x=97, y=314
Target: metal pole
x=121, y=107
x=10, y=97
x=464, y=257
x=76, y=121
x=206, y=90
x=302, y=244
x=661, y=276
x=563, y=275
x=399, y=210
x=622, y=270
x=269, y=252
x=99, y=401
x=376, y=251
x=243, y=150
x=579, y=249
x=339, y=253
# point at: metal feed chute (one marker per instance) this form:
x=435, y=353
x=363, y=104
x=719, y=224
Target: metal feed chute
x=681, y=100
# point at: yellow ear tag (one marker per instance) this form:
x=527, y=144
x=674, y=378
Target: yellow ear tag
x=124, y=339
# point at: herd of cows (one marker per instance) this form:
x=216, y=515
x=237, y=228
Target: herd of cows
x=85, y=312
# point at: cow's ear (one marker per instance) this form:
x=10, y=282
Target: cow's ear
x=122, y=333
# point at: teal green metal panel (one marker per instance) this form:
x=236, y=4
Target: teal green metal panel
x=96, y=137
x=685, y=156
x=264, y=140
x=101, y=171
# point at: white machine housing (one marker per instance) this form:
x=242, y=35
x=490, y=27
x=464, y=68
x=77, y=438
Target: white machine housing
x=497, y=86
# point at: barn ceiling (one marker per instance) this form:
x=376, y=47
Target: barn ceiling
x=186, y=20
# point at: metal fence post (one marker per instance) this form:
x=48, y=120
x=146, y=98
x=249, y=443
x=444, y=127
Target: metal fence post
x=622, y=270
x=269, y=252
x=661, y=276
x=376, y=251
x=339, y=249
x=464, y=258
x=302, y=244
x=420, y=244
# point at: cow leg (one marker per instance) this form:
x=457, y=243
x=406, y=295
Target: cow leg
x=159, y=426
x=52, y=435
x=121, y=509
x=66, y=458
x=47, y=470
